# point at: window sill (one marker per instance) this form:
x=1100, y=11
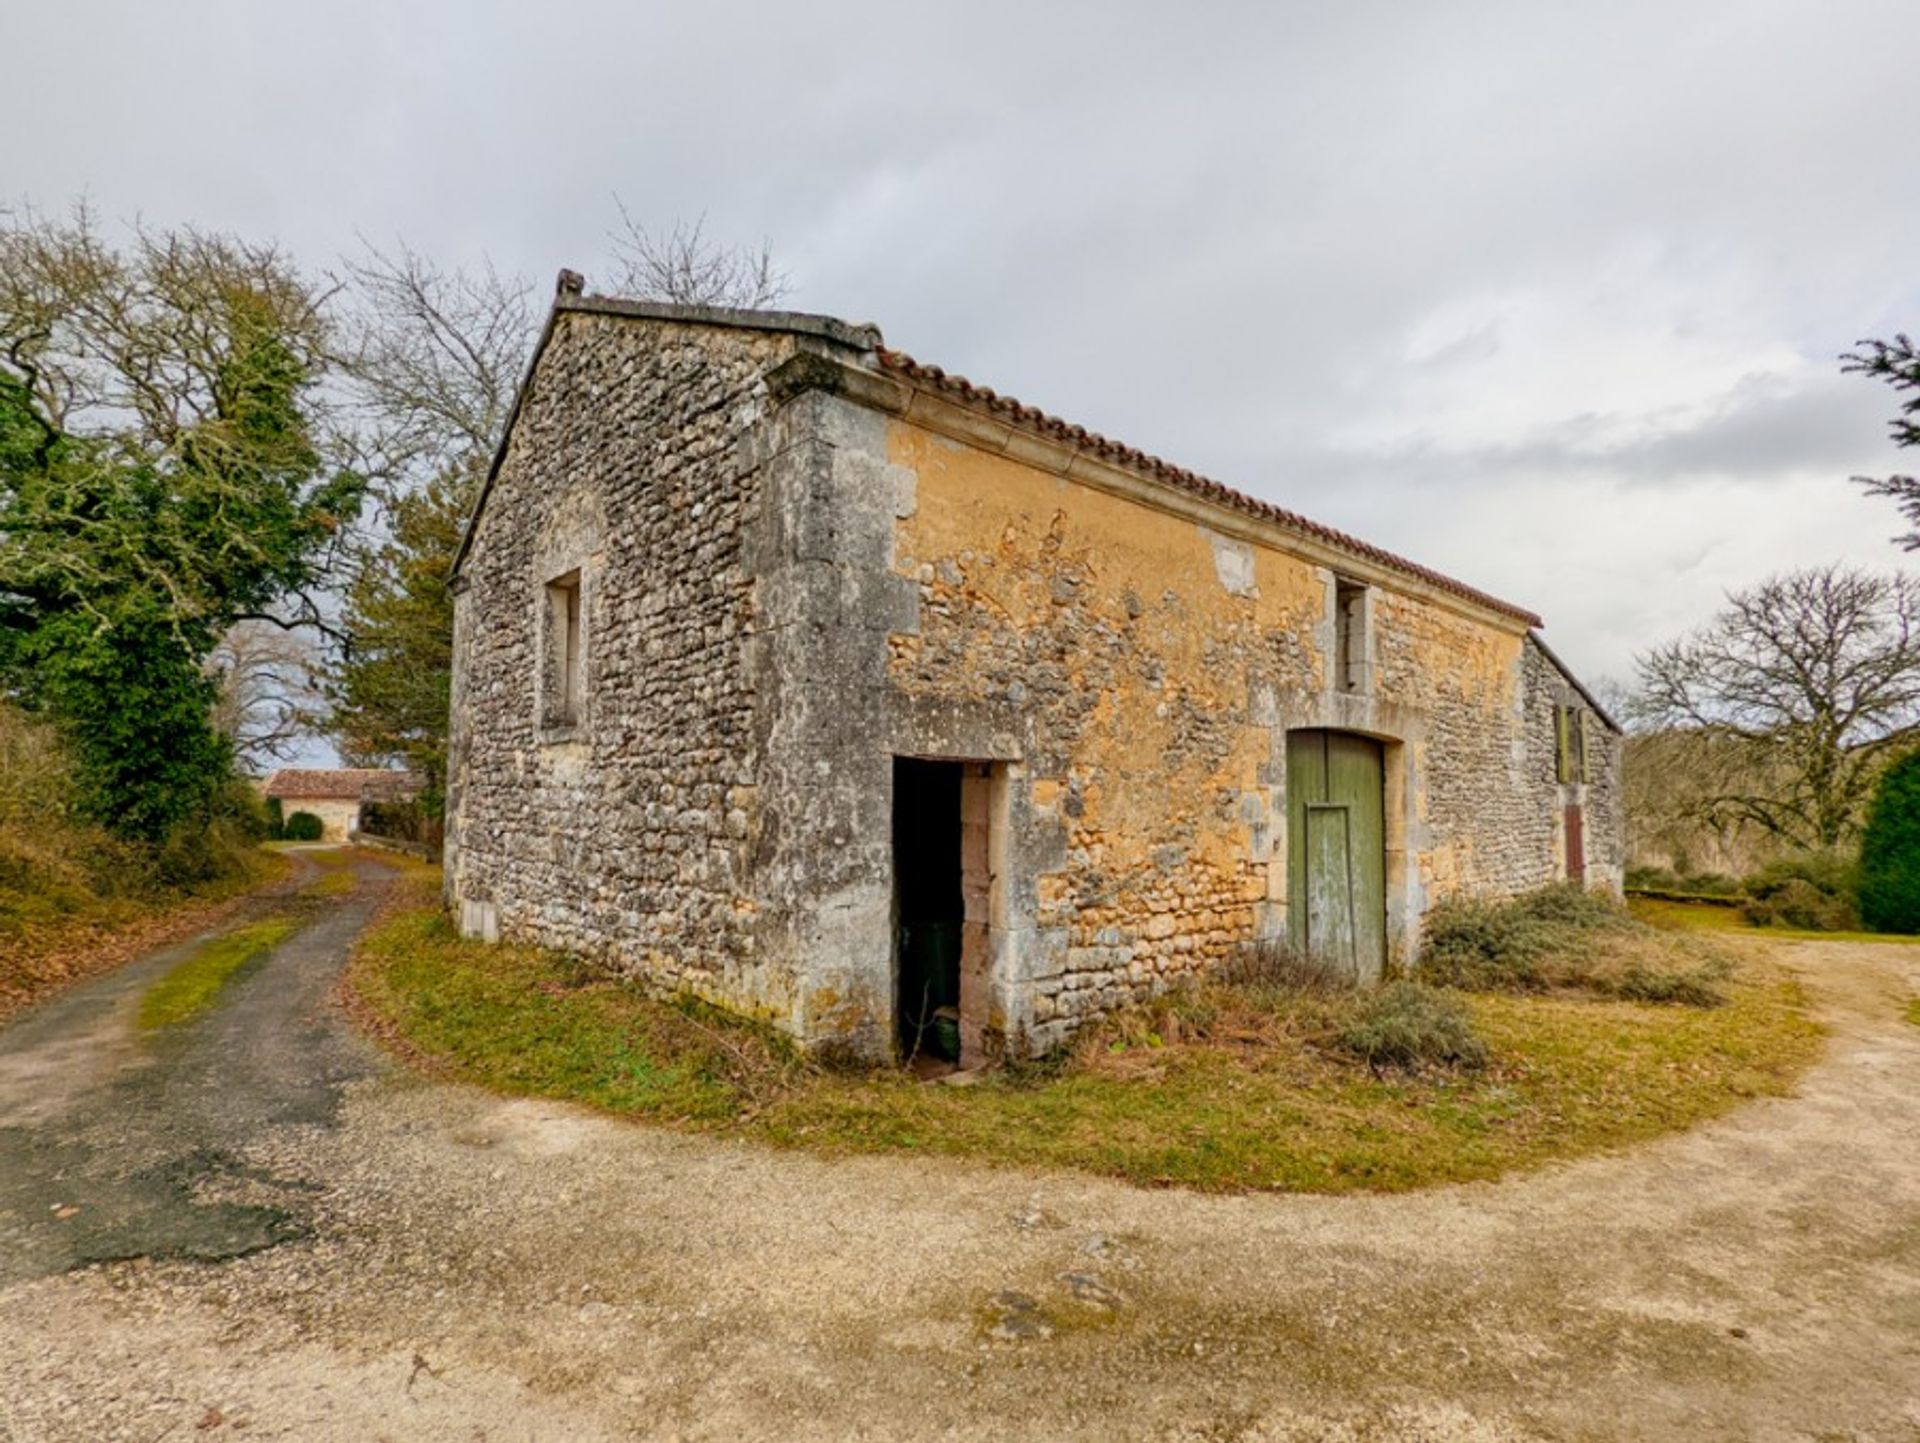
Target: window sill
x=555, y=736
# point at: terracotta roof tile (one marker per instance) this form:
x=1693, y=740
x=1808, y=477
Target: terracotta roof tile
x=984, y=398
x=354, y=784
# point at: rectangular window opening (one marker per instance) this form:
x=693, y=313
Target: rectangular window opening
x=1349, y=635
x=565, y=648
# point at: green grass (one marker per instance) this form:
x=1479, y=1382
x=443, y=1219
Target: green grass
x=1913, y=1012
x=1239, y=1110
x=336, y=877
x=193, y=983
x=1705, y=917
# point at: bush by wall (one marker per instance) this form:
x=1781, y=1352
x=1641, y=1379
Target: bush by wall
x=1890, y=851
x=303, y=827
x=1561, y=937
x=413, y=822
x=1672, y=882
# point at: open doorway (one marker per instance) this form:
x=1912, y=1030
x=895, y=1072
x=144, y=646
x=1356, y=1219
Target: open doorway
x=942, y=906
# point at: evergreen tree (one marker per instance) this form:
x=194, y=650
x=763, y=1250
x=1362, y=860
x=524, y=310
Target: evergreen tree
x=1897, y=363
x=391, y=691
x=1890, y=851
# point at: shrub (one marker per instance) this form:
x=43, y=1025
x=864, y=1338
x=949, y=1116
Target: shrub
x=276, y=820
x=1509, y=945
x=1681, y=883
x=1474, y=942
x=1712, y=884
x=304, y=827
x=409, y=821
x=1890, y=852
x=1409, y=1026
x=215, y=845
x=1689, y=986
x=1568, y=904
x=1275, y=963
x=1563, y=936
x=1814, y=891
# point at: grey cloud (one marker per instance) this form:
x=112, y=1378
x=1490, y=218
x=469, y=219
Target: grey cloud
x=1207, y=230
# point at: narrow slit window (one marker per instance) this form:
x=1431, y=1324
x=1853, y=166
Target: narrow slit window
x=565, y=650
x=1349, y=636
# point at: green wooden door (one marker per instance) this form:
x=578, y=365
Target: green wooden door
x=1336, y=849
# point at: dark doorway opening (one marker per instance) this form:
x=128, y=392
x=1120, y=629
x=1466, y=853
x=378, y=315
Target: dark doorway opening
x=930, y=908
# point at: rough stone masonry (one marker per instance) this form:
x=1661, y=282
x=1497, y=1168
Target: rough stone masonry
x=731, y=567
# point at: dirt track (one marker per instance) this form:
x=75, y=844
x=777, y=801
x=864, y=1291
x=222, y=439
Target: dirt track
x=434, y=1263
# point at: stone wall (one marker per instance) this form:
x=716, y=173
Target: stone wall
x=1600, y=796
x=629, y=835
x=1155, y=667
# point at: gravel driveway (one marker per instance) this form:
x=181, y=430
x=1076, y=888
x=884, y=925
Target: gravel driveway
x=259, y=1227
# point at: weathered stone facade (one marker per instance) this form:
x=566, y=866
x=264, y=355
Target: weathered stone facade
x=796, y=557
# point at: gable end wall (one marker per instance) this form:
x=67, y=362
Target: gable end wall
x=629, y=838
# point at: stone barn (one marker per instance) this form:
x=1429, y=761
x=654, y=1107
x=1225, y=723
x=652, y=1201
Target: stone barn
x=847, y=694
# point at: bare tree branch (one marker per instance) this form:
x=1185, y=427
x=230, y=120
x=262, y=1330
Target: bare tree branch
x=435, y=355
x=683, y=266
x=270, y=695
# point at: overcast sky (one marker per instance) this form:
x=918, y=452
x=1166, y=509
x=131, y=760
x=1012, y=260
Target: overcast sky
x=1546, y=295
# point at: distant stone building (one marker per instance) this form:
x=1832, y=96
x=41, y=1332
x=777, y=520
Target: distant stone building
x=338, y=795
x=848, y=694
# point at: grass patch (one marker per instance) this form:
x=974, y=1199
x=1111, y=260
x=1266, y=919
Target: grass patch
x=193, y=983
x=1913, y=1011
x=336, y=877
x=1231, y=1086
x=1671, y=916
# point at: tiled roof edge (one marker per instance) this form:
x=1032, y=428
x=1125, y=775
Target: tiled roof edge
x=1031, y=418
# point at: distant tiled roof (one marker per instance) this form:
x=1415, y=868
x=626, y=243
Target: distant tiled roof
x=347, y=784
x=1033, y=419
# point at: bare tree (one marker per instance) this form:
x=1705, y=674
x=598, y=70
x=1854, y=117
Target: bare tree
x=270, y=695
x=1672, y=777
x=684, y=266
x=159, y=355
x=435, y=355
x=1805, y=684
x=1897, y=362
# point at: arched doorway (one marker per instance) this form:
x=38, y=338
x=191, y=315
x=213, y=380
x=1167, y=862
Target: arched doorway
x=1336, y=849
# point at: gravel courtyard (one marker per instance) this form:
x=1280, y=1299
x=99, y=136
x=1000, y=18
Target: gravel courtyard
x=260, y=1226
